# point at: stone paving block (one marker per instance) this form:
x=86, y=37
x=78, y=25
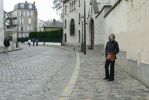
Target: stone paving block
x=35, y=73
x=91, y=86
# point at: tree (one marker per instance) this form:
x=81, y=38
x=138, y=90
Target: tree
x=58, y=4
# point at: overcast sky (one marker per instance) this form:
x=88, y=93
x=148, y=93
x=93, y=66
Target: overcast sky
x=44, y=7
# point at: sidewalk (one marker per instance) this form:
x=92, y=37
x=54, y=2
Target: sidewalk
x=91, y=86
x=9, y=49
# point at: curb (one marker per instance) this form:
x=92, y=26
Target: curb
x=12, y=50
x=72, y=82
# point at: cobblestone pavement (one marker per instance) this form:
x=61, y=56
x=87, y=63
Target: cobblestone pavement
x=91, y=86
x=35, y=73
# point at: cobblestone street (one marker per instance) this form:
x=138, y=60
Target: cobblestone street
x=91, y=86
x=35, y=73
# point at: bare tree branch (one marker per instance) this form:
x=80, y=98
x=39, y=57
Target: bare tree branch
x=58, y=4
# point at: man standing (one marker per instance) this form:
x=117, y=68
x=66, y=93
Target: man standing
x=112, y=48
x=6, y=44
x=29, y=42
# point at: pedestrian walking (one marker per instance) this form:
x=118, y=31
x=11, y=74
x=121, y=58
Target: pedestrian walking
x=36, y=42
x=6, y=44
x=29, y=42
x=33, y=40
x=112, y=48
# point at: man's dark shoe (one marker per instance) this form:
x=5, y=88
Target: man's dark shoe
x=110, y=80
x=105, y=78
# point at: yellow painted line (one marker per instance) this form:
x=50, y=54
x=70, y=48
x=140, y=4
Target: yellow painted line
x=66, y=89
x=61, y=98
x=72, y=81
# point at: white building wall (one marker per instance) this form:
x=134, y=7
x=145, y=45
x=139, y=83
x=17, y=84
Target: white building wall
x=98, y=34
x=129, y=21
x=116, y=22
x=73, y=15
x=1, y=23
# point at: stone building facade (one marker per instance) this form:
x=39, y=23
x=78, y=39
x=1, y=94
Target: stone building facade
x=129, y=21
x=73, y=14
x=1, y=23
x=26, y=14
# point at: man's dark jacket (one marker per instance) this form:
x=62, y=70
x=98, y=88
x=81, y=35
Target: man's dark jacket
x=111, y=46
x=6, y=43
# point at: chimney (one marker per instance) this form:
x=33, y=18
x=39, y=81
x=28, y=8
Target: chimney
x=34, y=3
x=54, y=20
x=25, y=1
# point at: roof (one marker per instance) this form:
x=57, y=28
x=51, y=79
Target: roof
x=64, y=1
x=56, y=24
x=26, y=5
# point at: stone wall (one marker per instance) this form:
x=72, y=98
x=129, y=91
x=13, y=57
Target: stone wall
x=100, y=26
x=129, y=19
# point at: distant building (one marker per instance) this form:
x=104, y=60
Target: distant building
x=1, y=23
x=41, y=25
x=54, y=25
x=26, y=14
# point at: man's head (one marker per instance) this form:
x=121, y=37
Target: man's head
x=112, y=37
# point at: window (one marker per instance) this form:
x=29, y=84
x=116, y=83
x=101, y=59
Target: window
x=21, y=21
x=79, y=18
x=29, y=21
x=70, y=7
x=29, y=28
x=30, y=13
x=74, y=4
x=79, y=36
x=24, y=13
x=20, y=13
x=15, y=13
x=65, y=24
x=65, y=9
x=72, y=27
x=30, y=6
x=22, y=5
x=21, y=28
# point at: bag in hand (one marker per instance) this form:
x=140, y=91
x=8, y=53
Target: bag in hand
x=111, y=56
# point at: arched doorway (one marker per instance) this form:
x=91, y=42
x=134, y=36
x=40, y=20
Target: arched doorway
x=92, y=34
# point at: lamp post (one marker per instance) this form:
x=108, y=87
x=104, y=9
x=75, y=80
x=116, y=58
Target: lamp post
x=83, y=43
x=82, y=39
x=84, y=27
x=17, y=38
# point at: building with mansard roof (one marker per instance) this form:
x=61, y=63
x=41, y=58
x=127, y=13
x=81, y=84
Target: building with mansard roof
x=26, y=14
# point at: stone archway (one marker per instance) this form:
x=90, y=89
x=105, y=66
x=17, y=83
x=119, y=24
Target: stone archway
x=92, y=30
